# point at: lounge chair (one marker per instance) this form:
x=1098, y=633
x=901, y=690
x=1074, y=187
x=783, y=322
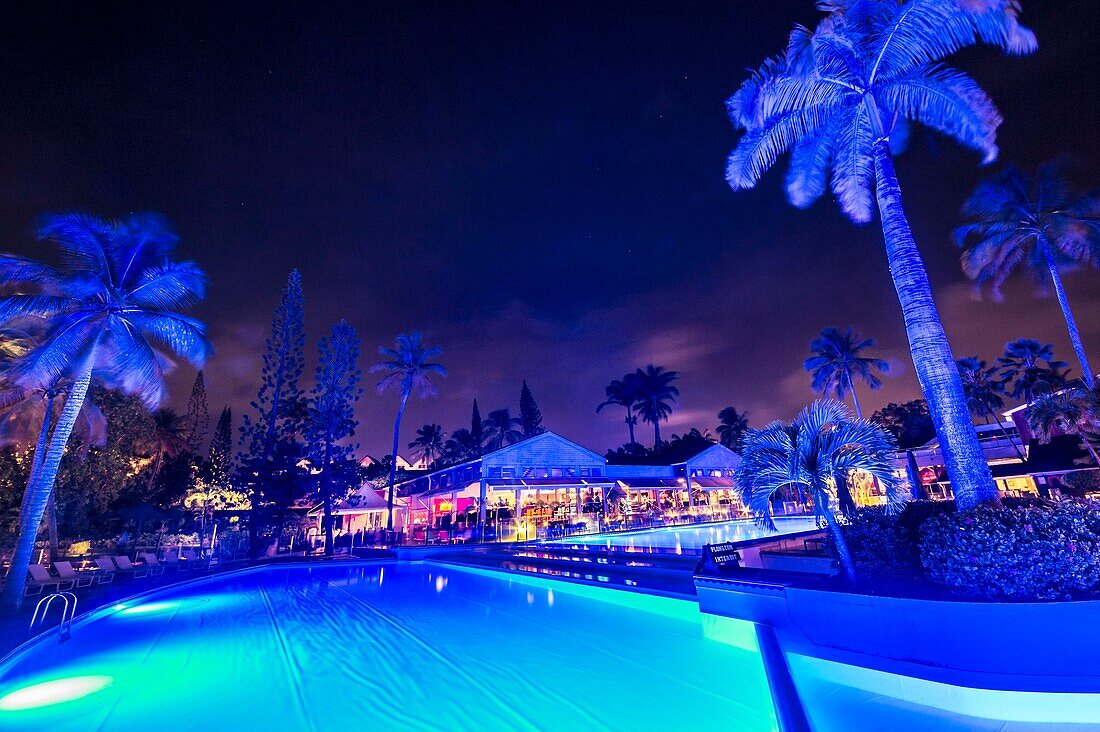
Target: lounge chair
x=41, y=579
x=105, y=572
x=172, y=561
x=154, y=565
x=66, y=571
x=136, y=571
x=194, y=560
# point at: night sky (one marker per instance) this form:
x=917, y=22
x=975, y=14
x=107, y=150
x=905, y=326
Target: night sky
x=537, y=186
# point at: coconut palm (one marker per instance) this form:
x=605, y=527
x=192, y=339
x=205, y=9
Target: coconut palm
x=837, y=365
x=429, y=443
x=501, y=428
x=1068, y=411
x=732, y=426
x=655, y=397
x=461, y=446
x=813, y=455
x=171, y=434
x=624, y=393
x=110, y=307
x=984, y=393
x=1031, y=369
x=407, y=369
x=1035, y=222
x=841, y=98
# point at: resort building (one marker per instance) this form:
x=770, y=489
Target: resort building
x=548, y=484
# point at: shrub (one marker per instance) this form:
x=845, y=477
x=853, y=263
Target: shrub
x=1033, y=552
x=884, y=543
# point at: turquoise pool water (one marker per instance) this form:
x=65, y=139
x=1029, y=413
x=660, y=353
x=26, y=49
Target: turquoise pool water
x=410, y=646
x=424, y=646
x=689, y=539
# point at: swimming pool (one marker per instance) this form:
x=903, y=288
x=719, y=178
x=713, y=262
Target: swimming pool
x=407, y=646
x=690, y=539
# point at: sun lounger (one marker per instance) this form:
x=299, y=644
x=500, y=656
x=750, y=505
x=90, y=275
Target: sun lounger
x=105, y=574
x=137, y=571
x=66, y=571
x=41, y=579
x=194, y=560
x=172, y=561
x=150, y=560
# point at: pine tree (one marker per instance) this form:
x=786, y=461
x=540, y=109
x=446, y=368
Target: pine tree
x=332, y=418
x=529, y=414
x=268, y=462
x=477, y=427
x=221, y=450
x=198, y=414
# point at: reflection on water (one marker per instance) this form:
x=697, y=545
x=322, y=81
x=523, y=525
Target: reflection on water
x=691, y=538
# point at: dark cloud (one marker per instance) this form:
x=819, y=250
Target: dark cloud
x=536, y=186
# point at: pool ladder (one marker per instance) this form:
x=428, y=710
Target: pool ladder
x=68, y=611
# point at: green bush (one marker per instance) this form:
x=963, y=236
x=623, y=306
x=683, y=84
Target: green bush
x=1037, y=551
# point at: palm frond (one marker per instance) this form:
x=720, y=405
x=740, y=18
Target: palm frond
x=948, y=101
x=853, y=166
x=169, y=286
x=926, y=31
x=184, y=336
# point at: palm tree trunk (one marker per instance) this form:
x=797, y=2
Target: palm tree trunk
x=971, y=481
x=326, y=488
x=51, y=525
x=656, y=428
x=855, y=403
x=842, y=551
x=1088, y=446
x=40, y=490
x=39, y=451
x=630, y=423
x=1067, y=313
x=393, y=461
x=1001, y=427
x=844, y=495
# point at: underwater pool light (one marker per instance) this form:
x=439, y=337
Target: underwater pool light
x=149, y=607
x=48, y=693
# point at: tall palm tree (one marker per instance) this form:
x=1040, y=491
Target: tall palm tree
x=732, y=426
x=625, y=393
x=841, y=98
x=655, y=397
x=837, y=365
x=1031, y=369
x=170, y=437
x=984, y=393
x=429, y=442
x=111, y=306
x=408, y=368
x=1067, y=411
x=1035, y=222
x=814, y=455
x=501, y=429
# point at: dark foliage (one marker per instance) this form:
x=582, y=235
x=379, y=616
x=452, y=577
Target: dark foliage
x=909, y=422
x=529, y=415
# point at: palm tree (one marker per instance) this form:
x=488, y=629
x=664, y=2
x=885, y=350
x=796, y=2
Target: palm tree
x=984, y=392
x=1067, y=411
x=462, y=445
x=837, y=365
x=814, y=455
x=1037, y=222
x=624, y=392
x=429, y=442
x=113, y=303
x=170, y=438
x=732, y=426
x=841, y=98
x=408, y=369
x=655, y=397
x=1023, y=366
x=501, y=429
